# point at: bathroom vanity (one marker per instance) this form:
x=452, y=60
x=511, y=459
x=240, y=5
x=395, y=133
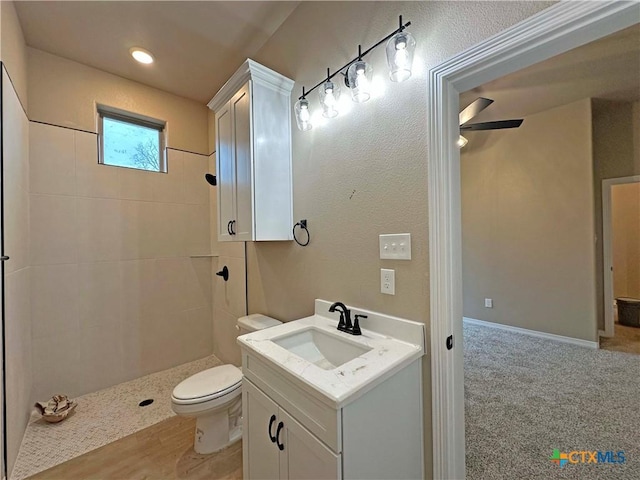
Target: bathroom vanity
x=323, y=404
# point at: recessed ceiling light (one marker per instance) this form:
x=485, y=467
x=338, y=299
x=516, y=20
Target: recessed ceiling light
x=141, y=55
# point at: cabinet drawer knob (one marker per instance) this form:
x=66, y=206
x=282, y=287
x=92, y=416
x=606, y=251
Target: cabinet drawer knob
x=280, y=427
x=271, y=422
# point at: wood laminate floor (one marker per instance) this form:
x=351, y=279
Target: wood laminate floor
x=162, y=451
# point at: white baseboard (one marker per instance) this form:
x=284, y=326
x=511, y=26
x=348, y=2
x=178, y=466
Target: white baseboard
x=533, y=333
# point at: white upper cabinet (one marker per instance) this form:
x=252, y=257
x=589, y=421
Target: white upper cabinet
x=253, y=155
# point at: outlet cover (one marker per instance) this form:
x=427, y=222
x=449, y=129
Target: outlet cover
x=488, y=303
x=387, y=281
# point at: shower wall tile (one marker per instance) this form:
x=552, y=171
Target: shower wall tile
x=116, y=292
x=93, y=179
x=231, y=295
x=168, y=187
x=135, y=184
x=18, y=369
x=54, y=300
x=196, y=189
x=99, y=229
x=53, y=230
x=52, y=160
x=57, y=366
x=225, y=335
x=100, y=294
x=197, y=331
x=198, y=241
x=101, y=357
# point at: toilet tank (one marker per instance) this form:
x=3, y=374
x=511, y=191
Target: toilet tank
x=255, y=322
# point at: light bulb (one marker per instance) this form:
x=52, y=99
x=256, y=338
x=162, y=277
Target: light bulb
x=359, y=78
x=303, y=115
x=329, y=94
x=462, y=141
x=400, y=50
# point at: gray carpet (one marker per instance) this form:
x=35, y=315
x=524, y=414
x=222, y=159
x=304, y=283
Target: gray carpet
x=525, y=397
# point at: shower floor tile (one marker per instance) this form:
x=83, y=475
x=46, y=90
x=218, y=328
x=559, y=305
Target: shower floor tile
x=101, y=418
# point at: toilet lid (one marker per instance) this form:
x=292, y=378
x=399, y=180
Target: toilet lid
x=211, y=383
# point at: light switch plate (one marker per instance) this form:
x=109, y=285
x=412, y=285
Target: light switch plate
x=395, y=246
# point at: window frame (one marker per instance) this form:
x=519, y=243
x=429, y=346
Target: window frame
x=104, y=111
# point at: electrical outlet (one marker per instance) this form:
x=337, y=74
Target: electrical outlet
x=388, y=281
x=488, y=303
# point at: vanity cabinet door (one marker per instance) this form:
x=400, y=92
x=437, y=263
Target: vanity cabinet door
x=225, y=173
x=260, y=423
x=303, y=456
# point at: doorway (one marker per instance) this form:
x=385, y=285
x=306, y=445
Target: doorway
x=555, y=30
x=621, y=264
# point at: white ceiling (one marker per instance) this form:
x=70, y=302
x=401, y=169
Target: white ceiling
x=197, y=45
x=608, y=68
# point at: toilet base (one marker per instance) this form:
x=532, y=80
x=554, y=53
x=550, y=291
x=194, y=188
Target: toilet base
x=213, y=434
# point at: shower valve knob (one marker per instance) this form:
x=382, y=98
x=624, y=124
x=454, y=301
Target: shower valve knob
x=224, y=273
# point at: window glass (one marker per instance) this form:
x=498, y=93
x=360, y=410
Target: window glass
x=130, y=144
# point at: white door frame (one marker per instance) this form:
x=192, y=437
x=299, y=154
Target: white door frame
x=555, y=30
x=607, y=249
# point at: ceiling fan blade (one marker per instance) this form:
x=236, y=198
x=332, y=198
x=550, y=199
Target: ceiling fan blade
x=492, y=125
x=474, y=109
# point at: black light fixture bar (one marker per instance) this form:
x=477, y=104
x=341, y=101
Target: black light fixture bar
x=359, y=57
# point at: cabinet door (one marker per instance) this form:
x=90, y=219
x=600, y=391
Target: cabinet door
x=304, y=457
x=225, y=172
x=260, y=422
x=243, y=149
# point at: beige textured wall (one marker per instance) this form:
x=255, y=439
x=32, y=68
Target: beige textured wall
x=363, y=173
x=115, y=292
x=625, y=236
x=527, y=224
x=78, y=88
x=616, y=153
x=13, y=50
x=17, y=319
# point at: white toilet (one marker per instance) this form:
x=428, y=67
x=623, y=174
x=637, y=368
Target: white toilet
x=214, y=397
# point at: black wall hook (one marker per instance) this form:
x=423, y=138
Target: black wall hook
x=224, y=273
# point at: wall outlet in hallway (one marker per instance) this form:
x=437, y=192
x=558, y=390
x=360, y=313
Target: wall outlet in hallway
x=388, y=281
x=488, y=302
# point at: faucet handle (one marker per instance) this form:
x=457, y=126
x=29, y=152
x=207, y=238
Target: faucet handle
x=356, y=324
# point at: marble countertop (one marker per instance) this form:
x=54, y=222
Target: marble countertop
x=348, y=381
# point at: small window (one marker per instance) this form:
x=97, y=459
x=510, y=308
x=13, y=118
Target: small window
x=131, y=141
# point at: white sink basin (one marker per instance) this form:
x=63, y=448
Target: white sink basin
x=324, y=350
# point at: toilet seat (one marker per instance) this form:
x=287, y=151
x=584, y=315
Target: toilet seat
x=208, y=385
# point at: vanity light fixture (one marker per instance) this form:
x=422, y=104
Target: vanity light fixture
x=303, y=115
x=329, y=94
x=141, y=55
x=358, y=76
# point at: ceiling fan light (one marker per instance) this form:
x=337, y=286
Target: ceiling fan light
x=400, y=49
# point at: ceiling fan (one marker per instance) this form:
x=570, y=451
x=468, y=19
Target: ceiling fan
x=478, y=105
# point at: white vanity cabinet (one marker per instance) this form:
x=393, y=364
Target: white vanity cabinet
x=291, y=433
x=253, y=155
x=279, y=446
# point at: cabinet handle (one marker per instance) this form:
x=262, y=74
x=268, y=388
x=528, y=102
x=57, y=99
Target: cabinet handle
x=271, y=422
x=280, y=427
x=229, y=228
x=233, y=222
